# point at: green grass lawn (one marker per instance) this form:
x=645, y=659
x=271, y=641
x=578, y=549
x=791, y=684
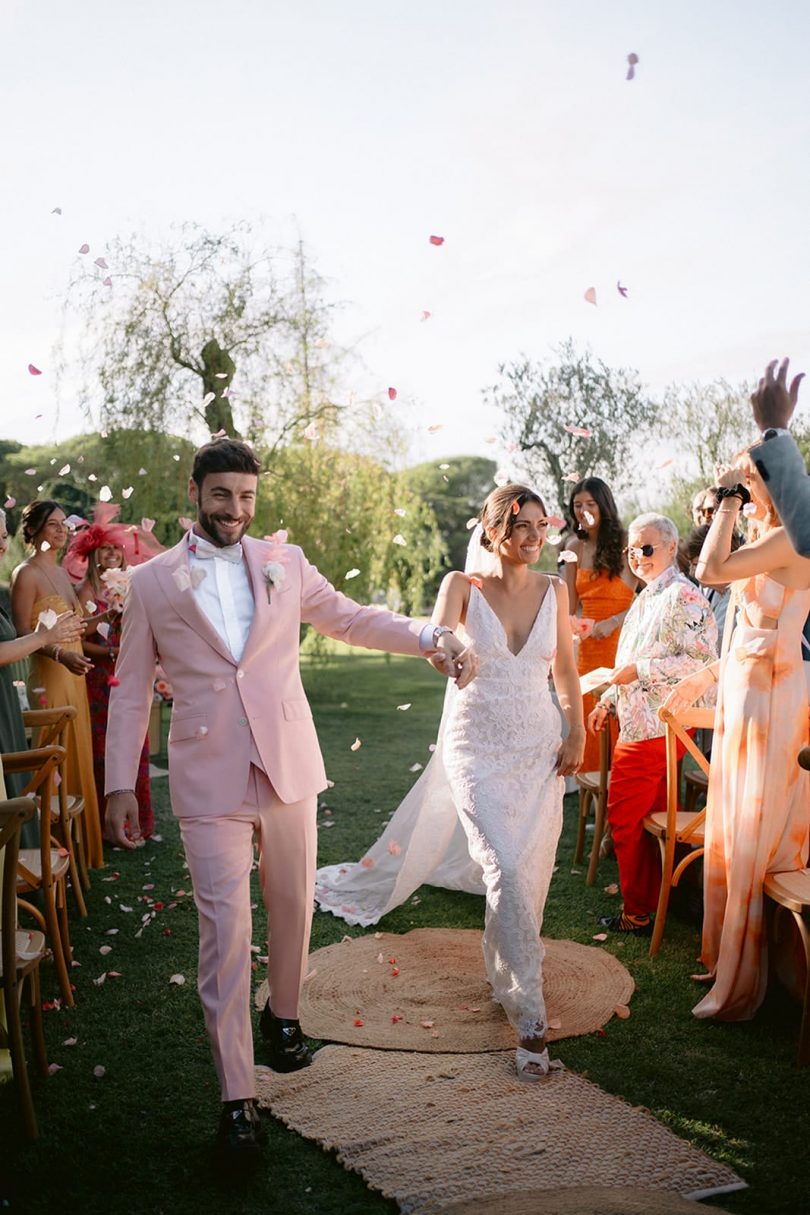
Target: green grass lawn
x=137, y=1140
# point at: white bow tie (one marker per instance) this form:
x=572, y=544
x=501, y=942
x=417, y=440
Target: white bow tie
x=205, y=551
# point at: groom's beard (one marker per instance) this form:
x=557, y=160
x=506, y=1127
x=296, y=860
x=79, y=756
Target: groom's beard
x=222, y=537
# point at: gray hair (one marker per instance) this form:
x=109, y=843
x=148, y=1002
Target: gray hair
x=2, y=517
x=665, y=527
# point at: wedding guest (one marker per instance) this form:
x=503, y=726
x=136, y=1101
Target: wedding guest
x=717, y=596
x=758, y=807
x=669, y=632
x=600, y=584
x=703, y=506
x=102, y=548
x=67, y=628
x=58, y=671
x=778, y=459
x=486, y=814
x=224, y=611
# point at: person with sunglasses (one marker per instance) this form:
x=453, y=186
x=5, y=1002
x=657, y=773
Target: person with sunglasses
x=702, y=507
x=668, y=633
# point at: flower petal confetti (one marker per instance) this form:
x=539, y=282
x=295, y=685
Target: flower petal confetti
x=63, y=472
x=400, y=540
x=425, y=315
x=392, y=394
x=415, y=767
x=101, y=263
x=47, y=618
x=128, y=492
x=105, y=494
x=404, y=708
x=749, y=509
x=632, y=59
x=567, y=555
x=367, y=862
x=350, y=574
x=311, y=432
x=147, y=524
x=437, y=240
x=572, y=476
x=208, y=398
x=621, y=290
x=186, y=523
x=106, y=282
x=590, y=296
x=32, y=370
x=178, y=980
x=84, y=248
x=356, y=745
x=612, y=888
x=600, y=936
x=394, y=848
x=582, y=432
x=9, y=503
x=432, y=430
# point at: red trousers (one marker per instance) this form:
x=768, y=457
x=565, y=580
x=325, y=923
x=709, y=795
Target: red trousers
x=638, y=786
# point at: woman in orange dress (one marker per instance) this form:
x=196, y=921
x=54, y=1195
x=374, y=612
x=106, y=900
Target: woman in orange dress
x=758, y=805
x=600, y=586
x=58, y=671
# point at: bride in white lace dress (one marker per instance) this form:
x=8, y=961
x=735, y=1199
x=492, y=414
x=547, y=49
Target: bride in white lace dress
x=486, y=814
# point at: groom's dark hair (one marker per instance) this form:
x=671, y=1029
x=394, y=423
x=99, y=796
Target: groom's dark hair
x=224, y=455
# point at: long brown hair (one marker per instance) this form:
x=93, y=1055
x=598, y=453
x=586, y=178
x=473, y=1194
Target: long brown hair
x=610, y=537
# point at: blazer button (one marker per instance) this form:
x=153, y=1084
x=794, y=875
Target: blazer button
x=203, y=730
x=240, y=674
x=242, y=721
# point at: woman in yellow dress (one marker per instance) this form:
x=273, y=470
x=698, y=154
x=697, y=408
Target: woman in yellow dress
x=600, y=586
x=58, y=672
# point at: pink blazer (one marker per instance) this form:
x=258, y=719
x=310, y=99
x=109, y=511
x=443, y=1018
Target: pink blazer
x=227, y=714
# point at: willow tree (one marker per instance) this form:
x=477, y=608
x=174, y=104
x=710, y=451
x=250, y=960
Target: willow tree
x=219, y=330
x=575, y=416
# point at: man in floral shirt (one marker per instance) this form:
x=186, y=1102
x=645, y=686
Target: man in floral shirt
x=668, y=633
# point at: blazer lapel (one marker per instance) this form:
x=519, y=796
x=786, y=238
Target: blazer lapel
x=170, y=575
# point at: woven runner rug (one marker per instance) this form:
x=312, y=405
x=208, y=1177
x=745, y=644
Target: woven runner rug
x=432, y=1130
x=426, y=990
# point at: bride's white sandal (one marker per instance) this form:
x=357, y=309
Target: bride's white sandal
x=524, y=1057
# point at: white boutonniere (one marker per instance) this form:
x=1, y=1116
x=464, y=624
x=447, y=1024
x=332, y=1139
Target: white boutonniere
x=274, y=574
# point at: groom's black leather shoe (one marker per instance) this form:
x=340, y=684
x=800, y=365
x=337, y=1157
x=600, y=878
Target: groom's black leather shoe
x=241, y=1134
x=286, y=1046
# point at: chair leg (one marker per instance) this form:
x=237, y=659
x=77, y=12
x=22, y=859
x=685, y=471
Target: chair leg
x=600, y=806
x=585, y=797
x=81, y=851
x=803, y=1053
x=54, y=930
x=18, y=1062
x=667, y=853
x=75, y=879
x=37, y=1033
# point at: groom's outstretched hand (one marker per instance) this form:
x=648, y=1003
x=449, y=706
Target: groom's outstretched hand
x=455, y=660
x=122, y=811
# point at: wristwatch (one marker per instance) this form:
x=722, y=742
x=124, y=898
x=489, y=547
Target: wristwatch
x=438, y=632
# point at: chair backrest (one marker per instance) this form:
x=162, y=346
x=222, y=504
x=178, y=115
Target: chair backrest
x=13, y=814
x=41, y=763
x=676, y=731
x=53, y=726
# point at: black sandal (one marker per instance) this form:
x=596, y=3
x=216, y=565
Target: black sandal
x=287, y=1049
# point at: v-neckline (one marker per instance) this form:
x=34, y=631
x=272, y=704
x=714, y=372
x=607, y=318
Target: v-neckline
x=500, y=622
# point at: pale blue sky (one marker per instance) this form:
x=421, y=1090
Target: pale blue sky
x=508, y=128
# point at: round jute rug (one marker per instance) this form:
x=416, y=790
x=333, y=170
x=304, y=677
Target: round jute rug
x=582, y=1200
x=426, y=990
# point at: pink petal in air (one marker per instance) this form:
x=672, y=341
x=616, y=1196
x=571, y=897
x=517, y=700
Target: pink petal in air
x=392, y=394
x=100, y=262
x=621, y=290
x=590, y=296
x=437, y=240
x=84, y=249
x=582, y=432
x=32, y=370
x=356, y=745
x=425, y=315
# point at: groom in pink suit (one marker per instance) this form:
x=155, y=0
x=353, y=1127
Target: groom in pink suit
x=222, y=613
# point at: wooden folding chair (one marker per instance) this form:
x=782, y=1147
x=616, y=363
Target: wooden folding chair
x=673, y=826
x=593, y=792
x=20, y=956
x=67, y=809
x=45, y=869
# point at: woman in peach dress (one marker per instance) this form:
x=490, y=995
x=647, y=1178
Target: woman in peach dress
x=600, y=587
x=758, y=808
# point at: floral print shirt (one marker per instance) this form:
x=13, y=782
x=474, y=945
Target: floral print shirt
x=669, y=632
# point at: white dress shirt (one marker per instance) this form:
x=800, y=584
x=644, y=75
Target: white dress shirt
x=224, y=595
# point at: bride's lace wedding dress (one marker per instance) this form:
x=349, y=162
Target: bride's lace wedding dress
x=486, y=814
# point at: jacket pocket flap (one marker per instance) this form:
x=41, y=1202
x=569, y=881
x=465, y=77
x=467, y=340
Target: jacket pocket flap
x=188, y=727
x=296, y=710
